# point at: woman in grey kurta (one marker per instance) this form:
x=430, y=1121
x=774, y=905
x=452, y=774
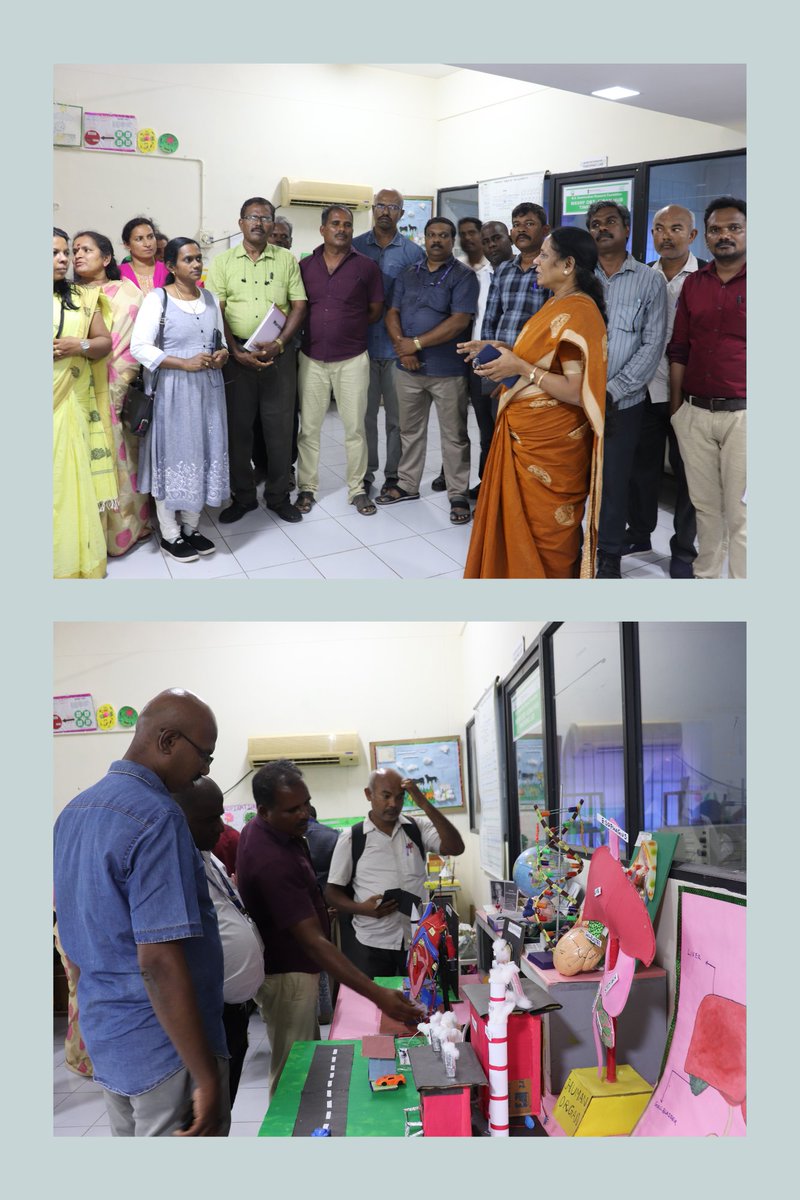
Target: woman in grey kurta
x=184, y=458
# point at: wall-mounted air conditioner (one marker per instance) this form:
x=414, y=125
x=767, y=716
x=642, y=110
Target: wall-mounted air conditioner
x=307, y=750
x=309, y=193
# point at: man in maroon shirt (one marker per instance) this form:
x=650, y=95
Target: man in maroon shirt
x=708, y=390
x=279, y=888
x=345, y=296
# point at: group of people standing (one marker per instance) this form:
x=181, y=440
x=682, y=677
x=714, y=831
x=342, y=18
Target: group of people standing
x=165, y=949
x=560, y=347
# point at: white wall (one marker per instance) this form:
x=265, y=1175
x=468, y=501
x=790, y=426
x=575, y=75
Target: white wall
x=381, y=680
x=251, y=124
x=490, y=126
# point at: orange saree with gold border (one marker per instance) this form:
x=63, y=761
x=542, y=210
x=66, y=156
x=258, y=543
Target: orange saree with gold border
x=546, y=457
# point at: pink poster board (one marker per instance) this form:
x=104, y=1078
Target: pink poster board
x=702, y=1090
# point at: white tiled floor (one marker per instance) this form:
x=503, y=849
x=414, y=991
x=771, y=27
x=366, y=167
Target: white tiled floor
x=79, y=1109
x=413, y=540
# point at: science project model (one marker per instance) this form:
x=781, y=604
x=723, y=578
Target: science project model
x=432, y=962
x=542, y=871
x=611, y=1101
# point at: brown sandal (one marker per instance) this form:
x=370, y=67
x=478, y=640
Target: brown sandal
x=364, y=505
x=305, y=502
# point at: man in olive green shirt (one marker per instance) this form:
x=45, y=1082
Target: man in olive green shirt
x=246, y=280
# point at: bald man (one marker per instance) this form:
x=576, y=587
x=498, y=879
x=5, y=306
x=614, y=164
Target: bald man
x=387, y=856
x=136, y=919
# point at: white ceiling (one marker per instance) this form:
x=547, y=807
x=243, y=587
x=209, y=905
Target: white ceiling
x=712, y=92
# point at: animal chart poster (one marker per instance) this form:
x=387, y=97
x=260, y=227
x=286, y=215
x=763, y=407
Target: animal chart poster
x=434, y=765
x=702, y=1091
x=417, y=211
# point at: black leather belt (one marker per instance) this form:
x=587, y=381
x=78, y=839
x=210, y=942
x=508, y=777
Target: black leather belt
x=718, y=403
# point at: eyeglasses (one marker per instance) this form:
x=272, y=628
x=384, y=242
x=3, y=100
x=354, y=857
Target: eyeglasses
x=391, y=208
x=204, y=754
x=259, y=220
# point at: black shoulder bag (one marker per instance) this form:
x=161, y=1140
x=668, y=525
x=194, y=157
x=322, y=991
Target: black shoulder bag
x=137, y=408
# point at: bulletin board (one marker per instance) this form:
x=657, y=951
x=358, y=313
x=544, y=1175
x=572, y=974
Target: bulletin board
x=491, y=782
x=103, y=191
x=498, y=197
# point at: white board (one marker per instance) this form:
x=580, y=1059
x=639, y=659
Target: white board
x=103, y=191
x=488, y=765
x=498, y=197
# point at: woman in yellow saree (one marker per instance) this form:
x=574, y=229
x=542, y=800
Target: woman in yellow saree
x=84, y=479
x=95, y=266
x=546, y=453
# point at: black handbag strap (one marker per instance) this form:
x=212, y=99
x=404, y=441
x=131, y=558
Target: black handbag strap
x=159, y=342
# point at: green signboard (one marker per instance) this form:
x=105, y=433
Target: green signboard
x=526, y=707
x=577, y=197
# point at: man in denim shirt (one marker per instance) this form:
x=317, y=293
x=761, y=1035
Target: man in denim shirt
x=393, y=252
x=135, y=918
x=433, y=303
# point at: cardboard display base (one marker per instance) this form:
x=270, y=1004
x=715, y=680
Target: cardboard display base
x=592, y=1107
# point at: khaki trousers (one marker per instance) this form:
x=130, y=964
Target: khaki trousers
x=288, y=1006
x=165, y=1108
x=350, y=383
x=415, y=394
x=713, y=447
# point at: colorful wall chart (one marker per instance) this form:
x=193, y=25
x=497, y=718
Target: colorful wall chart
x=110, y=131
x=702, y=1091
x=74, y=714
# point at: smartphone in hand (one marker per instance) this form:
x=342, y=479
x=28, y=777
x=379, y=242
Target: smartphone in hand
x=487, y=355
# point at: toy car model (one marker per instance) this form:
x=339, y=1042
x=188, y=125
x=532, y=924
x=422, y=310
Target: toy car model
x=388, y=1081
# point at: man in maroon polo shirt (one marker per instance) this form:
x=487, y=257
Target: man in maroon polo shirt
x=345, y=296
x=279, y=888
x=708, y=390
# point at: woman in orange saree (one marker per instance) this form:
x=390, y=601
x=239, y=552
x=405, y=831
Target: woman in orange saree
x=546, y=454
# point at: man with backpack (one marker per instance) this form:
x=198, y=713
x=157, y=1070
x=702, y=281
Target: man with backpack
x=386, y=852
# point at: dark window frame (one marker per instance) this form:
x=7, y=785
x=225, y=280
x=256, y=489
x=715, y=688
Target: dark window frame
x=540, y=654
x=640, y=172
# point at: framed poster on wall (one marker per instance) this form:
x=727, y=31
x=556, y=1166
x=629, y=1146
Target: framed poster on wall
x=433, y=763
x=417, y=210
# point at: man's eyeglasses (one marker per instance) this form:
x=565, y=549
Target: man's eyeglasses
x=204, y=754
x=390, y=208
x=259, y=220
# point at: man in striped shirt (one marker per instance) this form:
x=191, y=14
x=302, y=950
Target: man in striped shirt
x=636, y=300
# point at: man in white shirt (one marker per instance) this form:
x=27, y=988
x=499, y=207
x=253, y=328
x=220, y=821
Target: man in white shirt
x=242, y=947
x=387, y=856
x=673, y=233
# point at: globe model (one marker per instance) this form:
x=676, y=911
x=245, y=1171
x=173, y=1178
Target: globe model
x=527, y=872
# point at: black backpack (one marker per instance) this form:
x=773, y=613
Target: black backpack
x=359, y=841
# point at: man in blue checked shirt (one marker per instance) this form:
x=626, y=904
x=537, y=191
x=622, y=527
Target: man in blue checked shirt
x=636, y=300
x=514, y=295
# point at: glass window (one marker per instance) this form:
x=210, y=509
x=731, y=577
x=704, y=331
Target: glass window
x=589, y=736
x=694, y=183
x=526, y=734
x=693, y=681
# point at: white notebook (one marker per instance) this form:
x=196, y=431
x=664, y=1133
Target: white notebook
x=269, y=328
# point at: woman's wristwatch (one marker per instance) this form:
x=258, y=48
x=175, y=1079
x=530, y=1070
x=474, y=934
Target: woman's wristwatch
x=85, y=346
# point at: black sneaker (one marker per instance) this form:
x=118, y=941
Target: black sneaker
x=180, y=550
x=200, y=544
